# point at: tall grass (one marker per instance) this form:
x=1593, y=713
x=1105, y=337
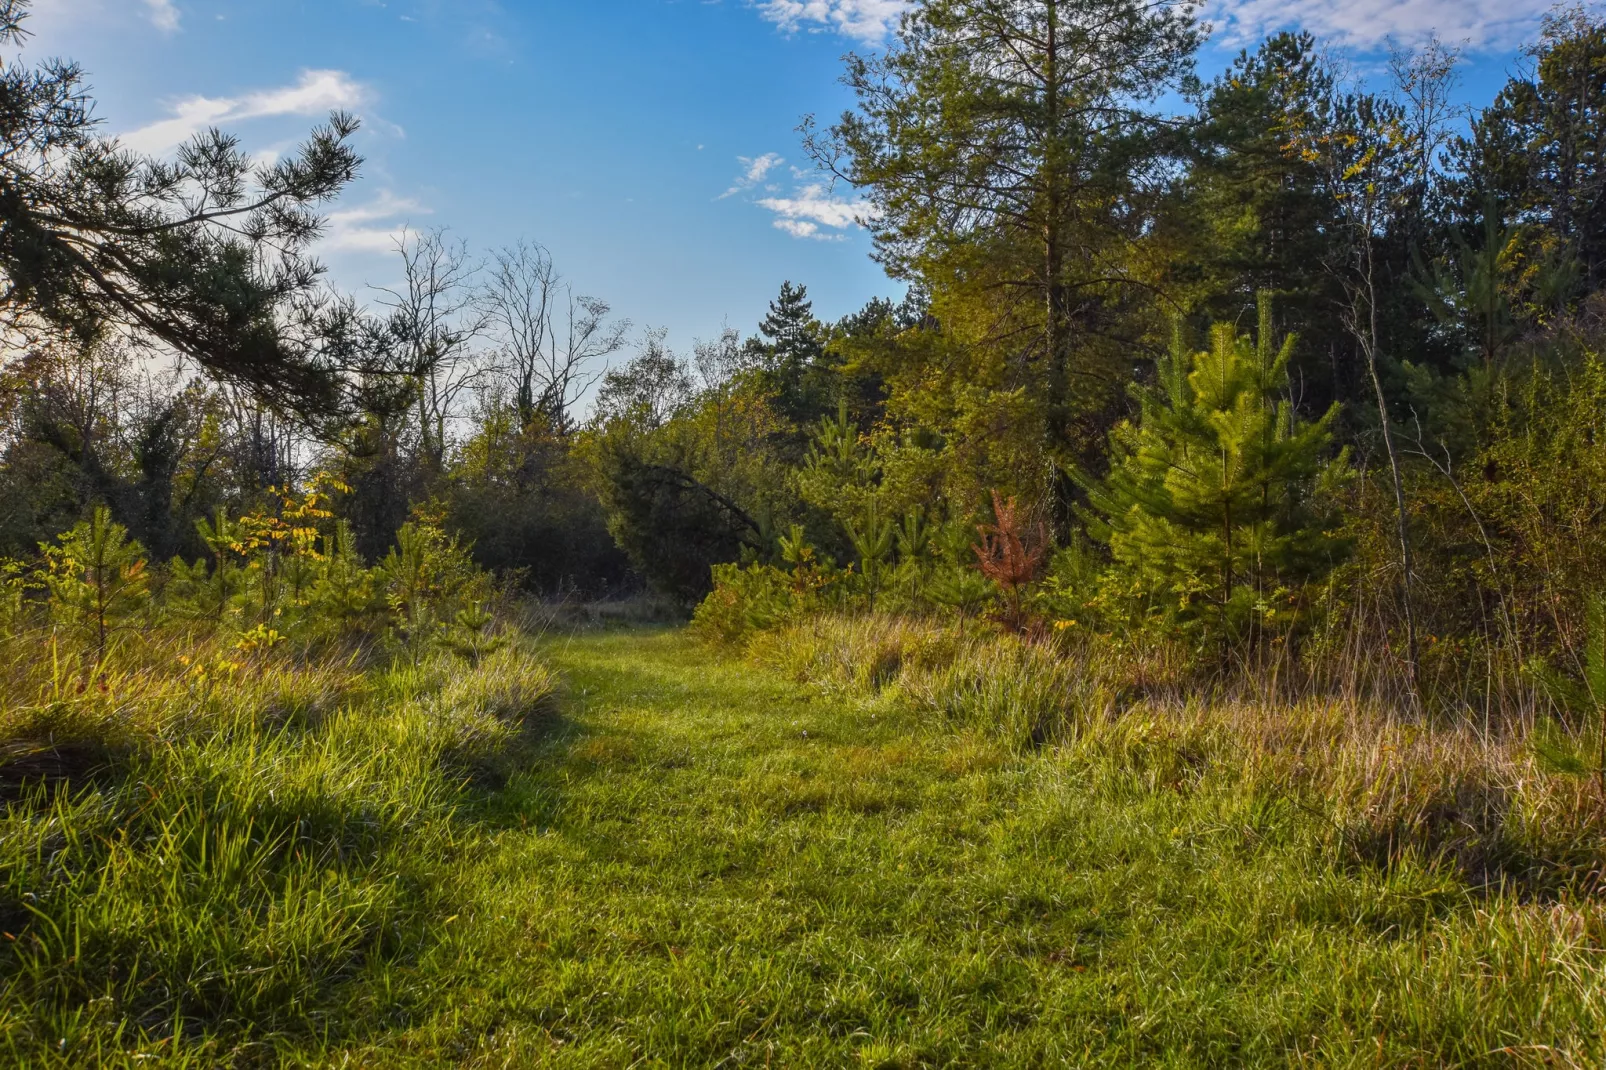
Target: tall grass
x=202, y=852
x=1504, y=806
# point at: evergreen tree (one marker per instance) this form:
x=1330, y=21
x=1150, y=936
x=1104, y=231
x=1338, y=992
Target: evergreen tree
x=207, y=255
x=1213, y=507
x=97, y=578
x=789, y=350
x=791, y=329
x=1005, y=146
x=1539, y=153
x=1253, y=216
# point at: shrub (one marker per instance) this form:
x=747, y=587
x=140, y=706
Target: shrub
x=746, y=600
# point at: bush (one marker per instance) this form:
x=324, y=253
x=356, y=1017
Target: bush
x=746, y=600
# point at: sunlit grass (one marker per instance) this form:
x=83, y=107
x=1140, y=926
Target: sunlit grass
x=694, y=861
x=212, y=873
x=717, y=867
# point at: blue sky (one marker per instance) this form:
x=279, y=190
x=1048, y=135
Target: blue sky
x=648, y=143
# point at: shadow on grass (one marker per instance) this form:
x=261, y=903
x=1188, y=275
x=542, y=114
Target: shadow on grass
x=33, y=771
x=1468, y=829
x=379, y=842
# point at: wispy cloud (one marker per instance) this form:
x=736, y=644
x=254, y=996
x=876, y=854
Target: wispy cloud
x=1352, y=23
x=813, y=211
x=869, y=21
x=754, y=170
x=1367, y=24
x=316, y=93
x=374, y=227
x=163, y=15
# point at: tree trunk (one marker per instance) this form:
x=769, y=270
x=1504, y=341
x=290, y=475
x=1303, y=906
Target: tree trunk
x=1053, y=252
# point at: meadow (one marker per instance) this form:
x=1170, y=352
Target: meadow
x=683, y=856
x=1165, y=625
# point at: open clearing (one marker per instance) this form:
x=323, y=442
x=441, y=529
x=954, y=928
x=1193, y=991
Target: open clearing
x=707, y=865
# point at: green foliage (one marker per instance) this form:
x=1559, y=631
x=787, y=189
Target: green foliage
x=1535, y=153
x=710, y=486
x=674, y=527
x=964, y=590
x=874, y=489
x=841, y=473
x=211, y=593
x=422, y=579
x=873, y=541
x=1217, y=507
x=760, y=597
x=1469, y=289
x=1003, y=173
x=98, y=580
x=344, y=594
x=206, y=253
x=472, y=634
x=1583, y=695
x=274, y=579
x=789, y=354
x=1252, y=216
x=16, y=580
x=747, y=600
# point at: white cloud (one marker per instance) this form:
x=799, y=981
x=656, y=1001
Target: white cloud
x=374, y=227
x=812, y=211
x=754, y=170
x=802, y=228
x=163, y=15
x=813, y=207
x=316, y=93
x=1353, y=23
x=869, y=21
x=1368, y=23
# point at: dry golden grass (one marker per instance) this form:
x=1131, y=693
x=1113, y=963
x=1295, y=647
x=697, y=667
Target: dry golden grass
x=1480, y=798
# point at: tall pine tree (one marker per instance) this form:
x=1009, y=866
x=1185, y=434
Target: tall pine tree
x=1006, y=148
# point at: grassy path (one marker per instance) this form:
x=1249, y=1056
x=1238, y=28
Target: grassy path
x=709, y=866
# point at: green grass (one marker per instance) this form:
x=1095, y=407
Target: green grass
x=703, y=863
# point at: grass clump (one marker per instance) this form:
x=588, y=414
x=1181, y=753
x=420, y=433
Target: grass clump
x=223, y=832
x=236, y=881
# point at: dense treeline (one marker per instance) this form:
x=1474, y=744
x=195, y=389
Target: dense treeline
x=1303, y=373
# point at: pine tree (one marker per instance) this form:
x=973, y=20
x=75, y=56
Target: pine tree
x=790, y=350
x=998, y=145
x=97, y=578
x=1255, y=214
x=1212, y=511
x=791, y=328
x=207, y=255
x=1537, y=153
